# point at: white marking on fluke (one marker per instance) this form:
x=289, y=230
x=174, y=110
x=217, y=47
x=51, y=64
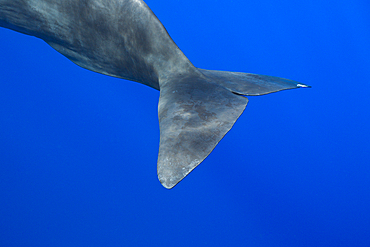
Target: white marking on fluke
x=301, y=85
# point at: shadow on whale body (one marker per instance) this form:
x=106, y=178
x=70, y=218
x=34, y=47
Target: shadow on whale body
x=124, y=39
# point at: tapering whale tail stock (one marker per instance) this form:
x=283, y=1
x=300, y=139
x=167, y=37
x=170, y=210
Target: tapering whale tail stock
x=197, y=110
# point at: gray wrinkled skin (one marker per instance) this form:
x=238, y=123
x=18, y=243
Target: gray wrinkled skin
x=124, y=39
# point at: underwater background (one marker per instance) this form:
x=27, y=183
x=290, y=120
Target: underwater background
x=78, y=150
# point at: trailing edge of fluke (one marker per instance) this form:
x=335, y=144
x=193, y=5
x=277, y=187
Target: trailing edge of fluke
x=124, y=39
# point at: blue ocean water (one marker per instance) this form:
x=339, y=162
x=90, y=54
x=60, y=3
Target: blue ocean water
x=78, y=149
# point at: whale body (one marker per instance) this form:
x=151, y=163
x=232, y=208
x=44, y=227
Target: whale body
x=124, y=39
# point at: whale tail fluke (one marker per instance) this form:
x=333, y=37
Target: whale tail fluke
x=251, y=84
x=195, y=113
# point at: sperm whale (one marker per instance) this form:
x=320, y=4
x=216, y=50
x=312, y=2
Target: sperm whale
x=124, y=39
